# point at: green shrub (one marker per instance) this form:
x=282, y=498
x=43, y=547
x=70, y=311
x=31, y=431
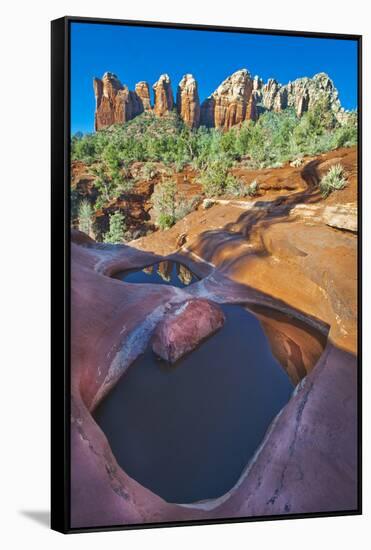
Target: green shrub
x=345, y=136
x=208, y=203
x=235, y=187
x=116, y=228
x=168, y=207
x=165, y=221
x=253, y=188
x=148, y=171
x=333, y=181
x=123, y=186
x=164, y=204
x=296, y=162
x=214, y=178
x=184, y=206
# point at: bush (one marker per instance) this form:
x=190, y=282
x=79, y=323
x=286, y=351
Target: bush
x=164, y=204
x=235, y=187
x=184, y=206
x=208, y=203
x=253, y=188
x=116, y=228
x=296, y=162
x=148, y=171
x=346, y=135
x=214, y=178
x=165, y=221
x=85, y=216
x=333, y=181
x=168, y=207
x=123, y=186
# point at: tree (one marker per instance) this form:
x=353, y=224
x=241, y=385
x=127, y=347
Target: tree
x=164, y=204
x=116, y=228
x=86, y=217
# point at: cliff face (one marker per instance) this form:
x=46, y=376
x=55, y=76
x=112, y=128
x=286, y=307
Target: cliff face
x=237, y=99
x=227, y=106
x=301, y=94
x=115, y=103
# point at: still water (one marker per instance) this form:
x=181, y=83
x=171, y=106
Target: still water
x=187, y=431
x=163, y=273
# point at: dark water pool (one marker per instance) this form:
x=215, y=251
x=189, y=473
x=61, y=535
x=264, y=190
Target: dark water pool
x=187, y=431
x=164, y=273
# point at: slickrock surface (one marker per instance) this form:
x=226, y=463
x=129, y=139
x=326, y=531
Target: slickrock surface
x=265, y=253
x=288, y=241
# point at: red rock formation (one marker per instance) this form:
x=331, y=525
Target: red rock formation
x=188, y=103
x=226, y=107
x=142, y=91
x=115, y=104
x=251, y=109
x=302, y=94
x=164, y=101
x=184, y=327
x=270, y=90
x=237, y=99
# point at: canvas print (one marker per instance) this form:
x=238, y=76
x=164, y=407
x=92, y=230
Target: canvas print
x=213, y=222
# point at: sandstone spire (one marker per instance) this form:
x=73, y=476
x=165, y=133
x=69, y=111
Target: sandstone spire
x=142, y=91
x=188, y=103
x=164, y=101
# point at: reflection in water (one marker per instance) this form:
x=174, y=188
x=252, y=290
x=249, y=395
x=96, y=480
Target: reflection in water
x=148, y=270
x=187, y=432
x=295, y=344
x=166, y=272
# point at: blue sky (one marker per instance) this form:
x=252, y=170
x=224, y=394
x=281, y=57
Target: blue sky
x=143, y=53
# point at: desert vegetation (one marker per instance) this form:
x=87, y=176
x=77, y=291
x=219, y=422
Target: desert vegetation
x=115, y=234
x=333, y=180
x=273, y=138
x=169, y=206
x=165, y=146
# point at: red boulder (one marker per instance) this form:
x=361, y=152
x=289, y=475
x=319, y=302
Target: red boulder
x=184, y=327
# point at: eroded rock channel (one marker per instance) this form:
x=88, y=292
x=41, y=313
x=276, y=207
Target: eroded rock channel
x=187, y=431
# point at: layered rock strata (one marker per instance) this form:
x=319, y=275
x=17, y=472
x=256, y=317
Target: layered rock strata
x=115, y=103
x=142, y=91
x=188, y=103
x=164, y=101
x=227, y=106
x=237, y=99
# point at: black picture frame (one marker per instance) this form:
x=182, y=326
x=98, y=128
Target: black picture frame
x=60, y=270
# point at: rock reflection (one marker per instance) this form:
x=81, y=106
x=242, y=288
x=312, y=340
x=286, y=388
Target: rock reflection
x=166, y=272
